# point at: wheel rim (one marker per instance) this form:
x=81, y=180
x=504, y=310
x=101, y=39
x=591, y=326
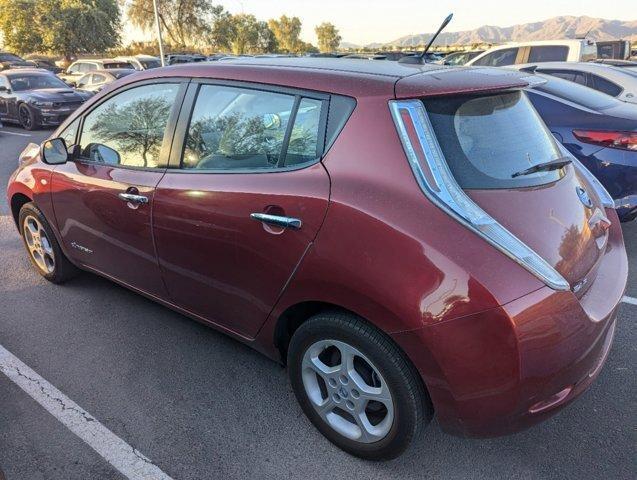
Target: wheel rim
x=347, y=391
x=25, y=117
x=38, y=244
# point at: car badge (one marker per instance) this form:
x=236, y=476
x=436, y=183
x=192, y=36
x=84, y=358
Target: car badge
x=584, y=198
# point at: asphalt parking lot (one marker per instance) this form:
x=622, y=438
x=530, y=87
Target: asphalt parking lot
x=199, y=405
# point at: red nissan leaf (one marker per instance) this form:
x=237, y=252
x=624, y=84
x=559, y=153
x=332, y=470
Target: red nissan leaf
x=409, y=239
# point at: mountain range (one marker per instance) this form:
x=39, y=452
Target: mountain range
x=551, y=29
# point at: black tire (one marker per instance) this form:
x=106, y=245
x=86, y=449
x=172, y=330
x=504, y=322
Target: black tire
x=412, y=408
x=27, y=117
x=62, y=269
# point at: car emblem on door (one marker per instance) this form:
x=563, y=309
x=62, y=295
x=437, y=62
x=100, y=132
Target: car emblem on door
x=584, y=198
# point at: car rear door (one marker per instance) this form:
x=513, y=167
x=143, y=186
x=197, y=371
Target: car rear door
x=243, y=202
x=103, y=199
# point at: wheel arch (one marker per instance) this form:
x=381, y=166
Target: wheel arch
x=18, y=200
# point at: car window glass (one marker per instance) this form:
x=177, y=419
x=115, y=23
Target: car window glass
x=303, y=146
x=570, y=75
x=69, y=134
x=98, y=78
x=132, y=123
x=237, y=128
x=575, y=93
x=548, y=53
x=499, y=58
x=85, y=80
x=606, y=86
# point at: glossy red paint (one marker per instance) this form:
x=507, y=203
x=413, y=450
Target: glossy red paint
x=491, y=342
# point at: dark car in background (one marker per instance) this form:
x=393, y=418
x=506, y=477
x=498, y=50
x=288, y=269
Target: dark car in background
x=599, y=130
x=406, y=238
x=94, y=82
x=9, y=60
x=36, y=98
x=45, y=64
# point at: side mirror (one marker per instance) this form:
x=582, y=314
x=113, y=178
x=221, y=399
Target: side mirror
x=5, y=89
x=54, y=152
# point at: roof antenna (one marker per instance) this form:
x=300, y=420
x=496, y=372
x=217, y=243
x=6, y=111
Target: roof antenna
x=420, y=59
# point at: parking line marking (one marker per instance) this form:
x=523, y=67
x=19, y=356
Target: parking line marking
x=630, y=300
x=15, y=133
x=125, y=458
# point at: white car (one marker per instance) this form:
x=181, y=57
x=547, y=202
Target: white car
x=141, y=62
x=515, y=53
x=618, y=82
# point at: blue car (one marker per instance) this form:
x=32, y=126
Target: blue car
x=599, y=130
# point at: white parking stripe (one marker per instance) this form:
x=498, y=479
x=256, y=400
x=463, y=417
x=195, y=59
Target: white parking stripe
x=631, y=300
x=15, y=133
x=125, y=458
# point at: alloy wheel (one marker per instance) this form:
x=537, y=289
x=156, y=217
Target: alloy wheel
x=38, y=244
x=25, y=117
x=347, y=391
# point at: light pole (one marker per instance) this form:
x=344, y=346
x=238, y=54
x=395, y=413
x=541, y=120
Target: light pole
x=157, y=26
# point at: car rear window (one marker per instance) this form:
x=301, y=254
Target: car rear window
x=486, y=139
x=576, y=93
x=110, y=65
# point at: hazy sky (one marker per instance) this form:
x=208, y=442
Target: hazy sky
x=365, y=21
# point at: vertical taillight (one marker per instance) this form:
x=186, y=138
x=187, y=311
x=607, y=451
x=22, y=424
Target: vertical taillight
x=437, y=182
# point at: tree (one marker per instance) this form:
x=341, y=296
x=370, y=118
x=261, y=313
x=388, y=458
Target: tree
x=185, y=22
x=328, y=37
x=65, y=27
x=287, y=31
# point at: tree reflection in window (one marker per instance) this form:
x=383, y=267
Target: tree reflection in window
x=133, y=124
x=235, y=128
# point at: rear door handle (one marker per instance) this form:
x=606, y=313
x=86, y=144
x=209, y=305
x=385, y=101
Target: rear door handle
x=132, y=198
x=277, y=220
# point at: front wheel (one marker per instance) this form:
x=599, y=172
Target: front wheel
x=26, y=117
x=356, y=386
x=42, y=246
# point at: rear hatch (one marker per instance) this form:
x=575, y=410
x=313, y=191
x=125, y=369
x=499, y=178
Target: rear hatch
x=490, y=142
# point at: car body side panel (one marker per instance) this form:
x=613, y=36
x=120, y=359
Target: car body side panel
x=385, y=252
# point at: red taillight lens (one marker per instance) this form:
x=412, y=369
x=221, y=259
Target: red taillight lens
x=623, y=140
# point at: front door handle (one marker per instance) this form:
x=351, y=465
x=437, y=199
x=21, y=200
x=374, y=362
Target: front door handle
x=132, y=198
x=277, y=220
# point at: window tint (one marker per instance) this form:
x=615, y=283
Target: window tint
x=98, y=78
x=570, y=75
x=132, y=123
x=486, y=139
x=499, y=58
x=238, y=128
x=548, y=53
x=575, y=93
x=606, y=86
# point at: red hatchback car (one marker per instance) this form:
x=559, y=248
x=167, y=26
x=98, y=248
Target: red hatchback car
x=409, y=239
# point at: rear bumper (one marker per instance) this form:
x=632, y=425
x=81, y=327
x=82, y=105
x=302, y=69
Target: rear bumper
x=505, y=369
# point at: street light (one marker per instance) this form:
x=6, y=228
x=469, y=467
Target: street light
x=157, y=26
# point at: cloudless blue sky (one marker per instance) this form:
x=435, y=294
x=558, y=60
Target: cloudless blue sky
x=365, y=21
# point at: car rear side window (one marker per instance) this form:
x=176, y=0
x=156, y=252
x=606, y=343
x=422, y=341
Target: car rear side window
x=487, y=139
x=548, y=53
x=243, y=129
x=576, y=93
x=132, y=124
x=606, y=86
x=499, y=58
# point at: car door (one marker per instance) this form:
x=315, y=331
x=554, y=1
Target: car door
x=103, y=199
x=244, y=202
x=4, y=96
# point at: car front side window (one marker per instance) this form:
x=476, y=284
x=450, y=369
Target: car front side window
x=132, y=124
x=499, y=58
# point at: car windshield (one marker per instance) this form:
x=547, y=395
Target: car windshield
x=20, y=83
x=576, y=93
x=148, y=64
x=487, y=139
x=110, y=65
x=9, y=57
x=122, y=73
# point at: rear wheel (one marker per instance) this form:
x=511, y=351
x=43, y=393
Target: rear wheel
x=356, y=386
x=26, y=117
x=41, y=245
